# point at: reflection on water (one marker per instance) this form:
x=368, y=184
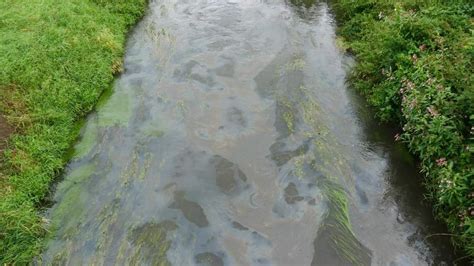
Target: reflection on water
x=231, y=139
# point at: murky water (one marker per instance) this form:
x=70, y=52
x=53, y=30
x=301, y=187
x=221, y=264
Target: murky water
x=231, y=139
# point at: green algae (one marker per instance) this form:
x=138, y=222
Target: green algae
x=71, y=203
x=298, y=169
x=290, y=121
x=286, y=116
x=153, y=132
x=130, y=170
x=295, y=65
x=77, y=176
x=60, y=258
x=298, y=105
x=87, y=141
x=154, y=128
x=334, y=170
x=209, y=259
x=71, y=207
x=146, y=165
x=137, y=168
x=338, y=228
x=107, y=219
x=150, y=244
x=181, y=108
x=117, y=110
x=122, y=250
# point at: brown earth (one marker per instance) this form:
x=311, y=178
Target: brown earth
x=5, y=131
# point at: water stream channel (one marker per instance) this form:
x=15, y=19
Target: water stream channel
x=232, y=138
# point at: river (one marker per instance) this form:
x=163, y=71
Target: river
x=232, y=138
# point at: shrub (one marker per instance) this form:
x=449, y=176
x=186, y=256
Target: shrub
x=415, y=65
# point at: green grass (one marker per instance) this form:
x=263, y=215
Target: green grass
x=415, y=66
x=56, y=58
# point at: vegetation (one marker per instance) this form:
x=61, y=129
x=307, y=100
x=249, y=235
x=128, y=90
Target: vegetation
x=338, y=226
x=415, y=66
x=56, y=58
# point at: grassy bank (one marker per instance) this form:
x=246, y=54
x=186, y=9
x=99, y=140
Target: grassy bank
x=415, y=66
x=56, y=58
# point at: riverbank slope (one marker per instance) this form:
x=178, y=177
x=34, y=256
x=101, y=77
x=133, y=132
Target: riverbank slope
x=415, y=66
x=57, y=58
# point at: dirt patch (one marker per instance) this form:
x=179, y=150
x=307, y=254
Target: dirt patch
x=5, y=131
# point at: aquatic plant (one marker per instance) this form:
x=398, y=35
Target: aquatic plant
x=338, y=226
x=150, y=244
x=325, y=166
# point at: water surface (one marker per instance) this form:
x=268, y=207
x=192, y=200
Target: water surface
x=232, y=139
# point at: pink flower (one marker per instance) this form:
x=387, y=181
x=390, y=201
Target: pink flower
x=441, y=161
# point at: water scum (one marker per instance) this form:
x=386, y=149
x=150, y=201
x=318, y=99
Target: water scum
x=229, y=139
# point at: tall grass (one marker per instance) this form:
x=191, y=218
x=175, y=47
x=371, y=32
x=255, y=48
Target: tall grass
x=56, y=58
x=415, y=65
